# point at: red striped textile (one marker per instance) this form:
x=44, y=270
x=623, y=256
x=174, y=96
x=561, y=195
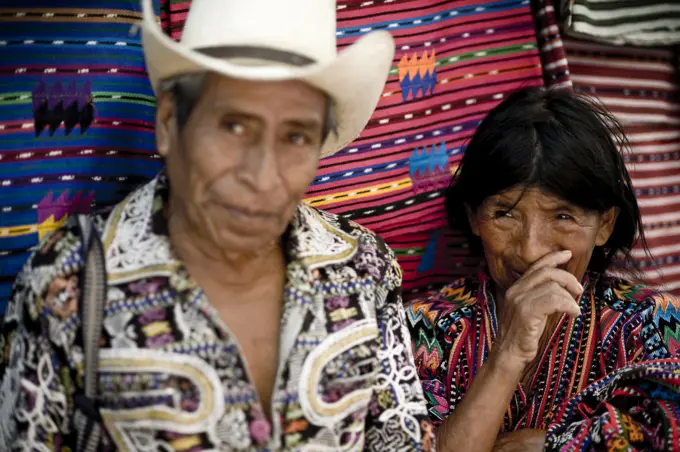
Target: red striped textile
x=640, y=86
x=484, y=50
x=553, y=57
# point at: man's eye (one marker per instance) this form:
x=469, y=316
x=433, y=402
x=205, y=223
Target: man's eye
x=298, y=139
x=234, y=127
x=564, y=216
x=502, y=214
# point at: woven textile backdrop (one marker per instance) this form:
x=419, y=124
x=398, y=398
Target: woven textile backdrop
x=640, y=86
x=455, y=61
x=76, y=117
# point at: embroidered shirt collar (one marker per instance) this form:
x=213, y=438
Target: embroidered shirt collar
x=137, y=243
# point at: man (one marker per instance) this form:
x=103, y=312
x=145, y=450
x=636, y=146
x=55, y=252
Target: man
x=236, y=317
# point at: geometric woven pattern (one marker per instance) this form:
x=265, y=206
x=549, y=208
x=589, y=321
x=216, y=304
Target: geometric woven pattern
x=76, y=117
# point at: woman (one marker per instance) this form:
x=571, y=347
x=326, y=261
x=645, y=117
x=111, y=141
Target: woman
x=544, y=193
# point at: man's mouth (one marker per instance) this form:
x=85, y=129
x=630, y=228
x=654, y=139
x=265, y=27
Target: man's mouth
x=247, y=213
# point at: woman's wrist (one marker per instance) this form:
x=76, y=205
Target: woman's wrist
x=503, y=363
x=474, y=424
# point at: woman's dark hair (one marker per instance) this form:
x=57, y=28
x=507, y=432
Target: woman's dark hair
x=559, y=141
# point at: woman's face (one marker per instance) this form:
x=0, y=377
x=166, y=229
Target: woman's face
x=539, y=223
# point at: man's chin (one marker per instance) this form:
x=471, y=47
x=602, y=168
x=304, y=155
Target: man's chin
x=241, y=243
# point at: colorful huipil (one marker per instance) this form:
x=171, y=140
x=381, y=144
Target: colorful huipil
x=622, y=325
x=172, y=376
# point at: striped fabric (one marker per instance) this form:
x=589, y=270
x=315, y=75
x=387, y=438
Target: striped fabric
x=647, y=101
x=455, y=61
x=555, y=66
x=392, y=178
x=76, y=117
x=636, y=22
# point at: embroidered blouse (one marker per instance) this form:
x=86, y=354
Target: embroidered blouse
x=624, y=342
x=172, y=376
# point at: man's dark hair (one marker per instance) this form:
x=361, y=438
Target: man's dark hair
x=187, y=89
x=559, y=141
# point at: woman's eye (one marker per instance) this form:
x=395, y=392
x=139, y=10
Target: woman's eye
x=564, y=216
x=502, y=214
x=234, y=127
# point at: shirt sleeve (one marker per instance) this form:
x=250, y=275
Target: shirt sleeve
x=433, y=348
x=398, y=418
x=37, y=384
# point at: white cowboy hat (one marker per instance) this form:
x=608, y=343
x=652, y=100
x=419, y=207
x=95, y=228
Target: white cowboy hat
x=276, y=40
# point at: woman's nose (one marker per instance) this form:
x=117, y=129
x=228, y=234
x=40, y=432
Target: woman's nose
x=533, y=242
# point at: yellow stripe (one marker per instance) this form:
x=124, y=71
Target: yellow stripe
x=364, y=192
x=186, y=443
x=43, y=228
x=343, y=314
x=156, y=328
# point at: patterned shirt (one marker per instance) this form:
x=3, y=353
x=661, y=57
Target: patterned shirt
x=172, y=376
x=622, y=325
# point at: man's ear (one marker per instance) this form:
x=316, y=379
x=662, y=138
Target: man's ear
x=472, y=219
x=607, y=223
x=166, y=126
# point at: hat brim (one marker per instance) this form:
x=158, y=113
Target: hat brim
x=354, y=80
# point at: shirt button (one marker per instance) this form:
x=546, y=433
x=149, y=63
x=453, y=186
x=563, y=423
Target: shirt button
x=260, y=430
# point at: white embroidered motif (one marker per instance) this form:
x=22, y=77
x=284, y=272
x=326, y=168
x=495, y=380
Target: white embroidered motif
x=43, y=397
x=122, y=423
x=321, y=242
x=317, y=410
x=233, y=430
x=115, y=325
x=398, y=376
x=9, y=391
x=130, y=244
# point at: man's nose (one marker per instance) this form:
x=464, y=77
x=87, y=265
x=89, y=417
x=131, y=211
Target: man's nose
x=260, y=169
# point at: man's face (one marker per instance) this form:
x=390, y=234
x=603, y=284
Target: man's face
x=244, y=159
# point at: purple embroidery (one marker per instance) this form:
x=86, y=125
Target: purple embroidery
x=56, y=104
x=62, y=206
x=342, y=324
x=159, y=341
x=337, y=302
x=153, y=315
x=189, y=405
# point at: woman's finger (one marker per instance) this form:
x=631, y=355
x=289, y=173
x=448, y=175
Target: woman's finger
x=550, y=298
x=531, y=281
x=550, y=260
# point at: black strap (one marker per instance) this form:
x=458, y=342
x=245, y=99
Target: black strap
x=86, y=422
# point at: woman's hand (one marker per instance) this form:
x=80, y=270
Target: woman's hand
x=528, y=440
x=543, y=290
